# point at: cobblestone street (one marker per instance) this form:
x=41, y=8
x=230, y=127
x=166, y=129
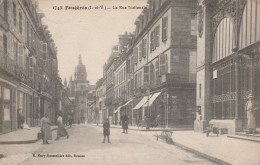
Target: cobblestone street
x=86, y=141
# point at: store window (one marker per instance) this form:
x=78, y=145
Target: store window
x=7, y=104
x=224, y=94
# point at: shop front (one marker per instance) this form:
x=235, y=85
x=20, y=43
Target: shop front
x=7, y=108
x=230, y=70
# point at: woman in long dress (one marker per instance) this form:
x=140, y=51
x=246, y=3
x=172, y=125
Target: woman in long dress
x=251, y=106
x=46, y=129
x=61, y=132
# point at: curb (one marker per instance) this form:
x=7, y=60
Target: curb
x=23, y=141
x=244, y=138
x=168, y=129
x=209, y=157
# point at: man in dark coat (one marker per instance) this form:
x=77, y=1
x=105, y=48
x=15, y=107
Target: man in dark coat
x=106, y=130
x=20, y=118
x=124, y=120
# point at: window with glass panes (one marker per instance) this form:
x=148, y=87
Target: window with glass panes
x=223, y=90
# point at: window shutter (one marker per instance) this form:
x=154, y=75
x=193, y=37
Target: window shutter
x=127, y=65
x=20, y=55
x=146, y=73
x=41, y=49
x=135, y=79
x=151, y=73
x=151, y=43
x=164, y=28
x=140, y=52
x=135, y=53
x=144, y=48
x=157, y=36
x=44, y=51
x=156, y=69
x=162, y=64
x=131, y=64
x=31, y=67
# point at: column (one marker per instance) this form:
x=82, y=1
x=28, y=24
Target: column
x=238, y=90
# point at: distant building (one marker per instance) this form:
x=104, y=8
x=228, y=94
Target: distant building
x=77, y=90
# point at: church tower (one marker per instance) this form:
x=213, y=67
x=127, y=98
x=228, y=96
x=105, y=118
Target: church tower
x=79, y=87
x=80, y=74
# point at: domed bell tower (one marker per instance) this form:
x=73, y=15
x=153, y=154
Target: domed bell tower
x=80, y=73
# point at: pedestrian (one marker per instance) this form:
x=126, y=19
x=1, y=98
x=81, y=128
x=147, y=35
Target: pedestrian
x=70, y=120
x=106, y=130
x=124, y=120
x=46, y=129
x=251, y=106
x=61, y=131
x=20, y=118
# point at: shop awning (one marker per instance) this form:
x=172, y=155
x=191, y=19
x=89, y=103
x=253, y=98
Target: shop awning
x=152, y=99
x=118, y=108
x=142, y=102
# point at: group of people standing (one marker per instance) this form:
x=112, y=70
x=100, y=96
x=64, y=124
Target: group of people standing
x=106, y=126
x=46, y=129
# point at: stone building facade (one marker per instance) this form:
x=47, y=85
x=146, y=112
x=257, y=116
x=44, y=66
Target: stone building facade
x=160, y=66
x=77, y=91
x=29, y=78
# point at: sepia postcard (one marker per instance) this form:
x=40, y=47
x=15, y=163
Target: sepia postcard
x=129, y=82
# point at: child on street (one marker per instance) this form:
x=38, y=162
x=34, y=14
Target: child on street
x=106, y=130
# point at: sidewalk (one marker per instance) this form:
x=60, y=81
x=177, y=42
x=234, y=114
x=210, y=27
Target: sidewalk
x=22, y=136
x=220, y=149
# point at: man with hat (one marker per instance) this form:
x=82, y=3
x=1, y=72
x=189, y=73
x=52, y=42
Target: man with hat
x=250, y=107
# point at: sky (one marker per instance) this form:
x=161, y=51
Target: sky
x=91, y=33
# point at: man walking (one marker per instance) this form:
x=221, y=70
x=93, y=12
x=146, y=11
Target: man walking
x=124, y=121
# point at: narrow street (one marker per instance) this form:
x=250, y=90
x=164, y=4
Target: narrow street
x=133, y=148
